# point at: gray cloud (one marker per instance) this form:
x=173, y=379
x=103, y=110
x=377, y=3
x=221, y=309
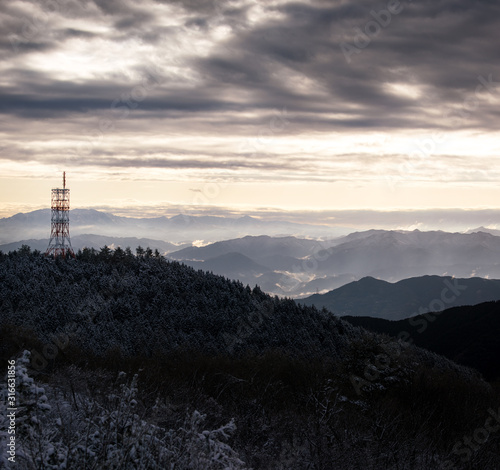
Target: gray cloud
x=289, y=56
x=443, y=46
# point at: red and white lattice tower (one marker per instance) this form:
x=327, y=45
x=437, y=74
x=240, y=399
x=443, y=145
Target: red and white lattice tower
x=60, y=243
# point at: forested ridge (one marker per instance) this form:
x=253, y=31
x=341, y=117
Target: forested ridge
x=166, y=366
x=145, y=304
x=467, y=335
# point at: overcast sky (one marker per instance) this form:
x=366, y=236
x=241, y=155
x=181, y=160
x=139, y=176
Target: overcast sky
x=288, y=105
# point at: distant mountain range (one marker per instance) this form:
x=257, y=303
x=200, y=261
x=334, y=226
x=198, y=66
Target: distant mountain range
x=269, y=255
x=279, y=265
x=395, y=255
x=259, y=248
x=79, y=242
x=301, y=267
x=467, y=335
x=177, y=229
x=409, y=297
x=491, y=231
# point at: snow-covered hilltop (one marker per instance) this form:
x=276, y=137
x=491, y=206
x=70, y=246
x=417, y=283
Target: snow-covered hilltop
x=132, y=351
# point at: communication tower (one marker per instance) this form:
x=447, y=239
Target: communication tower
x=60, y=243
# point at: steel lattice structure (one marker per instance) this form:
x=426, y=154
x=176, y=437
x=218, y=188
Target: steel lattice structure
x=60, y=242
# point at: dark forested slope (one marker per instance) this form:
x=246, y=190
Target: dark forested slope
x=468, y=335
x=147, y=363
x=145, y=305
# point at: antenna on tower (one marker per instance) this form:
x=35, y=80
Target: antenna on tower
x=60, y=242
